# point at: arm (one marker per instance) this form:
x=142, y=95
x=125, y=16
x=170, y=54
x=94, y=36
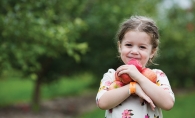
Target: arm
x=159, y=96
x=107, y=99
x=110, y=98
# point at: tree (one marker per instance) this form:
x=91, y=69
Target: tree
x=177, y=44
x=35, y=35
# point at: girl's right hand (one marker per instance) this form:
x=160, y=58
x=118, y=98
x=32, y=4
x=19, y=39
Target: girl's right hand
x=142, y=95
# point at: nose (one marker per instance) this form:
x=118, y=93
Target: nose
x=134, y=50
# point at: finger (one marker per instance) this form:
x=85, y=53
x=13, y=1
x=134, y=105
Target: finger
x=150, y=102
x=122, y=72
x=152, y=105
x=120, y=68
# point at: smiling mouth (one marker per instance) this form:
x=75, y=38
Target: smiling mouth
x=133, y=58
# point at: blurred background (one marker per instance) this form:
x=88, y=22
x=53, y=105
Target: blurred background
x=53, y=53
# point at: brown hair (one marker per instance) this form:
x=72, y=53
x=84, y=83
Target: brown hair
x=142, y=24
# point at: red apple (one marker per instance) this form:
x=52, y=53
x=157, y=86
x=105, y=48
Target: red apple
x=136, y=63
x=125, y=78
x=151, y=75
x=116, y=84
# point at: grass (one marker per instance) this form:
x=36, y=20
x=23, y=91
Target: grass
x=14, y=90
x=184, y=107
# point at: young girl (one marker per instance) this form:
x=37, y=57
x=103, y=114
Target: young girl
x=138, y=38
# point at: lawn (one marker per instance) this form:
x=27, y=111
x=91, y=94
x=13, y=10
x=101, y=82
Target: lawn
x=14, y=90
x=184, y=107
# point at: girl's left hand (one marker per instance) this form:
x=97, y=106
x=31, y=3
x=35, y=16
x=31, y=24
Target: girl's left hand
x=143, y=96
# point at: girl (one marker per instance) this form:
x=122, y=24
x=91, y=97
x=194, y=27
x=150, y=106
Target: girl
x=138, y=38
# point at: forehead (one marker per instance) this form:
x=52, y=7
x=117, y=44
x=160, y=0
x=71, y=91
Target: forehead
x=137, y=36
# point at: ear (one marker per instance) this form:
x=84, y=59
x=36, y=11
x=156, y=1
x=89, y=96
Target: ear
x=119, y=46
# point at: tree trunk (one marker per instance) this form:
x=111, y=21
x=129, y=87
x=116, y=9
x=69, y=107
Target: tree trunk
x=36, y=95
x=37, y=85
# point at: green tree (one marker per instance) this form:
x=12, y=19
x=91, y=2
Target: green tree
x=177, y=43
x=38, y=37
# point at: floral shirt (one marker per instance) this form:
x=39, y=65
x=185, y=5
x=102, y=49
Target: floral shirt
x=133, y=106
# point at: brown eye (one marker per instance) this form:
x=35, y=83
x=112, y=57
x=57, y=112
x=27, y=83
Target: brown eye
x=142, y=47
x=128, y=45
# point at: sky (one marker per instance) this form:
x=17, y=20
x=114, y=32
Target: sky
x=182, y=3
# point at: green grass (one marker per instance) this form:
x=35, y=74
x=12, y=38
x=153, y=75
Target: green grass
x=183, y=108
x=20, y=90
x=14, y=90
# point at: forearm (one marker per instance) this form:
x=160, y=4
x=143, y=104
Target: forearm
x=114, y=97
x=159, y=96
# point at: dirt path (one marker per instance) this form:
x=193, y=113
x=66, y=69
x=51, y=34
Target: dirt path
x=69, y=107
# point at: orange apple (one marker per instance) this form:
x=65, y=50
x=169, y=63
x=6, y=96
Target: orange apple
x=151, y=75
x=115, y=85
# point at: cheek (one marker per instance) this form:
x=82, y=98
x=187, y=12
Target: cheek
x=145, y=58
x=124, y=52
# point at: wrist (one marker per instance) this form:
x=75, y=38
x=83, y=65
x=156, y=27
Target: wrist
x=132, y=87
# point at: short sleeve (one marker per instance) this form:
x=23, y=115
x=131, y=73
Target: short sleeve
x=163, y=82
x=106, y=81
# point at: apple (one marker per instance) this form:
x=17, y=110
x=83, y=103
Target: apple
x=115, y=85
x=151, y=75
x=147, y=72
x=125, y=78
x=136, y=63
x=117, y=78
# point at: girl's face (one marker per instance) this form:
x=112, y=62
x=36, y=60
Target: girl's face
x=136, y=44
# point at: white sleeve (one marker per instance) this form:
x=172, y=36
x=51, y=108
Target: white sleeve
x=107, y=79
x=163, y=82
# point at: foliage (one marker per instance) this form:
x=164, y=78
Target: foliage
x=38, y=33
x=177, y=45
x=35, y=35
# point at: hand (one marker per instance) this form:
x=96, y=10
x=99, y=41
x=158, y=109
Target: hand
x=131, y=70
x=142, y=95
